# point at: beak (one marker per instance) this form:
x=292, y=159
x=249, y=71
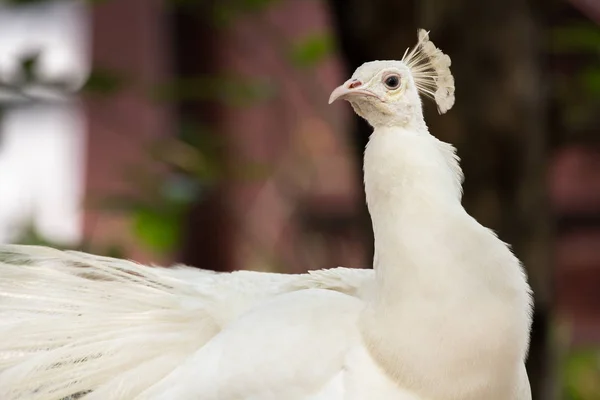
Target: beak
x=350, y=88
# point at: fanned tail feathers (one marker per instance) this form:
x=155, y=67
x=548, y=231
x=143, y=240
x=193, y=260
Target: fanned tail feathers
x=76, y=325
x=72, y=323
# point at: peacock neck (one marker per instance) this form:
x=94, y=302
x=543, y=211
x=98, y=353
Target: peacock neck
x=412, y=182
x=441, y=278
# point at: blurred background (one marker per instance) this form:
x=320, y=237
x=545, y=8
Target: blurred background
x=198, y=131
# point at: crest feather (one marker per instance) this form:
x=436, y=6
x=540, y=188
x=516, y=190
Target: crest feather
x=431, y=71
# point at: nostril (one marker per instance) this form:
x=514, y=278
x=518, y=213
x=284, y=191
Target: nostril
x=354, y=84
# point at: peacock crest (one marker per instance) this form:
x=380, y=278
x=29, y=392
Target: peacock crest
x=430, y=68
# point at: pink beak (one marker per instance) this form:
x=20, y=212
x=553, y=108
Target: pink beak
x=351, y=87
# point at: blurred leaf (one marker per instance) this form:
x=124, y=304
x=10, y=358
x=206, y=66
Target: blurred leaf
x=230, y=90
x=209, y=148
x=576, y=38
x=29, y=235
x=581, y=375
x=159, y=230
x=114, y=251
x=204, y=164
x=225, y=11
x=257, y=5
x=104, y=82
x=199, y=135
x=249, y=171
x=311, y=50
x=29, y=64
x=590, y=78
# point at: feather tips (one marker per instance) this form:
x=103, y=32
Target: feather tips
x=72, y=323
x=430, y=68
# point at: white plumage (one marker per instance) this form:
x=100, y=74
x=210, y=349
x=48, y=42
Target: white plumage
x=66, y=307
x=445, y=315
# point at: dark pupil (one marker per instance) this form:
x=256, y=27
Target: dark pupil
x=392, y=81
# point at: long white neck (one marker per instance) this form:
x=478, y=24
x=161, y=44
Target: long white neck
x=441, y=278
x=412, y=180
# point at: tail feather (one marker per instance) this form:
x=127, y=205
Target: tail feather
x=132, y=383
x=76, y=325
x=73, y=323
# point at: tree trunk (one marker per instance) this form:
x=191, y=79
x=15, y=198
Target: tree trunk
x=207, y=230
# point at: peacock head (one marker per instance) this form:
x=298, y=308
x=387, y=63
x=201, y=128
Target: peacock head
x=387, y=92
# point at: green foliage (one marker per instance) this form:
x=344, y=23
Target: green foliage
x=28, y=66
x=577, y=89
x=576, y=38
x=189, y=166
x=104, y=82
x=191, y=163
x=156, y=221
x=158, y=229
x=311, y=50
x=590, y=79
x=224, y=12
x=581, y=375
x=221, y=13
x=30, y=236
x=227, y=89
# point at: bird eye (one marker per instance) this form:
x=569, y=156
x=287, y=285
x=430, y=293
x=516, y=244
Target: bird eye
x=392, y=82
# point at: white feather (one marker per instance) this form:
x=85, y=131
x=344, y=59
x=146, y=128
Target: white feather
x=72, y=321
x=431, y=71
